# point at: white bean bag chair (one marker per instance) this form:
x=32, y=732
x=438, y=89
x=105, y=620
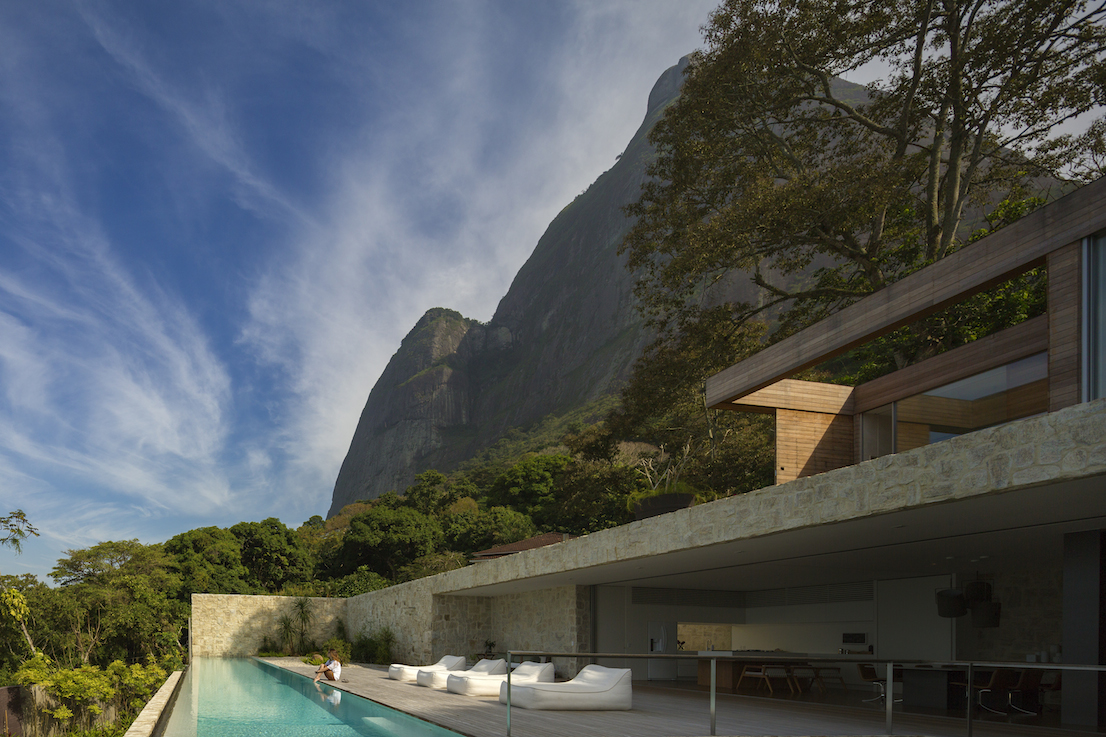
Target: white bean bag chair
x=488, y=685
x=435, y=678
x=401, y=672
x=595, y=688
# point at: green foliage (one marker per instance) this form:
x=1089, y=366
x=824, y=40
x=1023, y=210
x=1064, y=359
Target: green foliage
x=286, y=632
x=87, y=688
x=823, y=192
x=115, y=601
x=432, y=564
x=529, y=486
x=432, y=493
x=361, y=581
x=374, y=647
x=272, y=553
x=14, y=528
x=304, y=616
x=209, y=561
x=387, y=537
x=341, y=646
x=469, y=529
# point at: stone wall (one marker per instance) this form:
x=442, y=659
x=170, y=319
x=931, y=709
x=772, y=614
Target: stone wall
x=234, y=625
x=428, y=626
x=1031, y=620
x=407, y=610
x=461, y=625
x=553, y=620
x=698, y=637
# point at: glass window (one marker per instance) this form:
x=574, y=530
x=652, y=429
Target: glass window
x=1010, y=392
x=876, y=433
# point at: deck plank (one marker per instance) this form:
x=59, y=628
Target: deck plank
x=658, y=712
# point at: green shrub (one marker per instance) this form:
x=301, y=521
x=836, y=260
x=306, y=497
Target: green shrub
x=375, y=647
x=87, y=687
x=340, y=646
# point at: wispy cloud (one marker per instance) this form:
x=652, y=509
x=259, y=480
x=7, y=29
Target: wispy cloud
x=213, y=240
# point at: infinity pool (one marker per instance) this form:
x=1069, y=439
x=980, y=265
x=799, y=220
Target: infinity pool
x=242, y=696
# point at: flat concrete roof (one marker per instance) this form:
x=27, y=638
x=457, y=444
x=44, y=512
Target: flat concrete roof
x=1006, y=495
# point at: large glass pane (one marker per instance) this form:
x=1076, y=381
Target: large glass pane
x=1018, y=389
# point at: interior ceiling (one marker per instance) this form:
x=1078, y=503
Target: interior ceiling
x=999, y=532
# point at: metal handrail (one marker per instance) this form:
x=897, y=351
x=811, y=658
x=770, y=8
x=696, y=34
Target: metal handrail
x=969, y=665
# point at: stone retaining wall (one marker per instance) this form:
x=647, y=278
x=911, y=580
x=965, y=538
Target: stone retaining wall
x=406, y=609
x=234, y=625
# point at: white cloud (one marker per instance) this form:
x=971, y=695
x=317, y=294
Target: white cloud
x=126, y=406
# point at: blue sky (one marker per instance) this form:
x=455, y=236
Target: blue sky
x=219, y=219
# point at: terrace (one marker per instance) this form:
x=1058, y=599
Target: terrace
x=666, y=711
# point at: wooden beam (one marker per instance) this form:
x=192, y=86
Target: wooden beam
x=995, y=350
x=793, y=394
x=975, y=268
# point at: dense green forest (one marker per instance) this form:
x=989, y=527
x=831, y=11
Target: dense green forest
x=124, y=600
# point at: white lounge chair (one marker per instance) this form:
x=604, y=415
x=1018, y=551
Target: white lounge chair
x=401, y=672
x=488, y=685
x=436, y=678
x=595, y=688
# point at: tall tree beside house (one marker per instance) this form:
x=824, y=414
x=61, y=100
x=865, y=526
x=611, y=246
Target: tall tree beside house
x=825, y=192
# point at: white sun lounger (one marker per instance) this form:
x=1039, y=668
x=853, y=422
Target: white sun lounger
x=436, y=677
x=401, y=672
x=595, y=688
x=488, y=685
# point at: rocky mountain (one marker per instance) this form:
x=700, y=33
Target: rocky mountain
x=565, y=335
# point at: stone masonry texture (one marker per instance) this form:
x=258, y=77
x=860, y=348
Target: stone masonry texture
x=231, y=625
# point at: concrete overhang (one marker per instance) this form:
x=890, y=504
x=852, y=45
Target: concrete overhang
x=997, y=499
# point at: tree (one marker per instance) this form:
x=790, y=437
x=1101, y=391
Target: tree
x=385, y=538
x=114, y=601
x=14, y=528
x=433, y=492
x=272, y=553
x=209, y=560
x=530, y=487
x=825, y=192
x=469, y=529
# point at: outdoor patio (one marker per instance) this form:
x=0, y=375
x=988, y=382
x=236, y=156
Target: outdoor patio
x=661, y=711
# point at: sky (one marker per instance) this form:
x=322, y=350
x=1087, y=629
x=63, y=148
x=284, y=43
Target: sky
x=218, y=219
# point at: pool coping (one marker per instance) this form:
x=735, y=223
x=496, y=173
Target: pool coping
x=147, y=720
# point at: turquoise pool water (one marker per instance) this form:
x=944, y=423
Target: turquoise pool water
x=242, y=696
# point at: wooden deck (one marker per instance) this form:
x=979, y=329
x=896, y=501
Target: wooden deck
x=658, y=712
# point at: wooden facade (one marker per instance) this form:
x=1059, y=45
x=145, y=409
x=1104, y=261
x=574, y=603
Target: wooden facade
x=818, y=426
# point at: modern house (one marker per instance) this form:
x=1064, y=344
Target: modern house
x=981, y=469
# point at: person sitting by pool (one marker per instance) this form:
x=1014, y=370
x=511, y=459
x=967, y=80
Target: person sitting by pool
x=332, y=668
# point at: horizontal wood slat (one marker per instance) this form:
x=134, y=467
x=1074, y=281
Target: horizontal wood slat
x=1009, y=345
x=990, y=261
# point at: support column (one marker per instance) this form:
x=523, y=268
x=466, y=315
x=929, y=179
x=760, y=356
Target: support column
x=1083, y=700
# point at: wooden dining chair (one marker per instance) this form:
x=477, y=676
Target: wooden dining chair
x=1028, y=689
x=870, y=674
x=1000, y=680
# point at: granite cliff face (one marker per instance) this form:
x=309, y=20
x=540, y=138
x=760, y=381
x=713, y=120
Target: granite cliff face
x=565, y=334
